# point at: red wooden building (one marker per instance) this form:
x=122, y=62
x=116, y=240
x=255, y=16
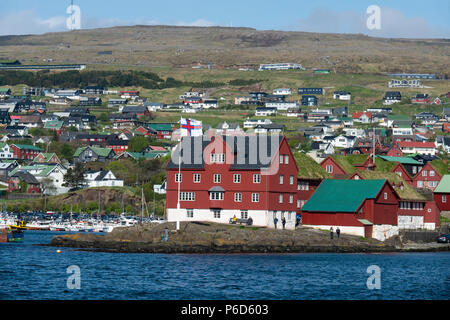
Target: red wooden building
x=222, y=177
x=332, y=167
x=442, y=194
x=25, y=152
x=400, y=170
x=361, y=207
x=32, y=184
x=394, y=151
x=119, y=146
x=427, y=178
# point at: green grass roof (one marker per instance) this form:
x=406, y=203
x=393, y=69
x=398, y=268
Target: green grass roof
x=403, y=189
x=348, y=162
x=441, y=167
x=444, y=185
x=308, y=168
x=342, y=195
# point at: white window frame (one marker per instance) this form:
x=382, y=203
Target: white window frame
x=186, y=196
x=281, y=158
x=244, y=214
x=189, y=213
x=444, y=198
x=280, y=198
x=199, y=176
x=291, y=198
x=217, y=178
x=281, y=179
x=286, y=159
x=216, y=214
x=256, y=178
x=329, y=168
x=236, y=178
x=291, y=179
x=216, y=196
x=237, y=197
x=178, y=177
x=255, y=197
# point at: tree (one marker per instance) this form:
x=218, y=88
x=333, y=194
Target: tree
x=138, y=144
x=74, y=178
x=47, y=186
x=23, y=186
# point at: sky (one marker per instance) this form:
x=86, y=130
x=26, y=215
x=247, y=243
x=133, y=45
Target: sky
x=398, y=18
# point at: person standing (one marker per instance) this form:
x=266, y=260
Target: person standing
x=283, y=221
x=275, y=221
x=338, y=232
x=331, y=233
x=166, y=234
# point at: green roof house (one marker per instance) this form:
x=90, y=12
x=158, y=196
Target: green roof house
x=93, y=154
x=366, y=208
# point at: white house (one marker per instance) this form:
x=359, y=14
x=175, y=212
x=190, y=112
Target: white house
x=189, y=110
x=101, y=178
x=207, y=104
x=282, y=105
x=225, y=127
x=51, y=177
x=342, y=141
x=264, y=112
x=248, y=124
x=269, y=128
x=359, y=133
x=282, y=91
x=342, y=95
x=160, y=188
x=403, y=131
x=5, y=151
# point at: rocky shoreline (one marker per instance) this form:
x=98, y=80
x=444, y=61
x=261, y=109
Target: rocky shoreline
x=196, y=237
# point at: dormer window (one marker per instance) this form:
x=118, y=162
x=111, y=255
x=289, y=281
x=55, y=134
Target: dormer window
x=217, y=157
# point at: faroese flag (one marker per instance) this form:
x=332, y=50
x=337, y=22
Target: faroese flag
x=190, y=127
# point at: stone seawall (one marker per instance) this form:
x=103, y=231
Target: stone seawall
x=196, y=237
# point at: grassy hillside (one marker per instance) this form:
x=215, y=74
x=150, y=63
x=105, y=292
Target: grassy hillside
x=170, y=46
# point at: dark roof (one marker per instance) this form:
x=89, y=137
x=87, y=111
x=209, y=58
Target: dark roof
x=25, y=176
x=134, y=109
x=243, y=160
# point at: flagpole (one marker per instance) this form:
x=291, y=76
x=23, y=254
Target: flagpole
x=179, y=167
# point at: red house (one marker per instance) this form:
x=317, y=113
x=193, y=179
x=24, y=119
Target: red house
x=395, y=151
x=442, y=194
x=32, y=184
x=421, y=98
x=400, y=170
x=427, y=178
x=332, y=167
x=25, y=152
x=415, y=211
x=446, y=127
x=222, y=177
x=119, y=146
x=360, y=207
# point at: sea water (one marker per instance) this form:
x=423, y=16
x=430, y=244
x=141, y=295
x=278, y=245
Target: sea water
x=28, y=272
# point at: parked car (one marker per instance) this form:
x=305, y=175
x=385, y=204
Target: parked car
x=444, y=238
